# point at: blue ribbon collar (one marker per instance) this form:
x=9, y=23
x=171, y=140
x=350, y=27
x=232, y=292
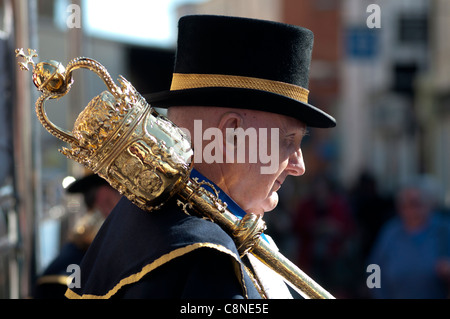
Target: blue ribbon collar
x=232, y=206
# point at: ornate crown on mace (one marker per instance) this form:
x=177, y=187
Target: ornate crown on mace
x=118, y=135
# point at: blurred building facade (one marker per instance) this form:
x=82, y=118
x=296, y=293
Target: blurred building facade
x=432, y=101
x=379, y=130
x=394, y=101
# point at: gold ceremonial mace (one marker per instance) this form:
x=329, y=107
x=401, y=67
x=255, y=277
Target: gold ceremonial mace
x=148, y=159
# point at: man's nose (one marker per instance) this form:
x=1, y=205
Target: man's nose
x=296, y=165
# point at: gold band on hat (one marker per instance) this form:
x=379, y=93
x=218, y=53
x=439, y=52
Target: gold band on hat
x=182, y=81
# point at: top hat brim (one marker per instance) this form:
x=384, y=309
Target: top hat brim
x=85, y=183
x=243, y=99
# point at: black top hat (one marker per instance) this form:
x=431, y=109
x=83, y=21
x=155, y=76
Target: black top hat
x=243, y=63
x=86, y=183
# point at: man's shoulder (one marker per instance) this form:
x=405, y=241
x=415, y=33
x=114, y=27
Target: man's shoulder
x=134, y=242
x=169, y=225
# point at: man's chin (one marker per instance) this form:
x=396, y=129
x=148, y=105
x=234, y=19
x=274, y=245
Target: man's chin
x=265, y=206
x=270, y=203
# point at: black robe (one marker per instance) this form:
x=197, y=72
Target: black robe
x=165, y=254
x=52, y=283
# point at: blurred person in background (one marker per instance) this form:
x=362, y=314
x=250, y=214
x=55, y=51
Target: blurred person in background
x=99, y=199
x=371, y=210
x=413, y=248
x=324, y=227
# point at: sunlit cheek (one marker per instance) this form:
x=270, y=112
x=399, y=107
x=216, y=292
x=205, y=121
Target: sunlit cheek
x=261, y=198
x=283, y=160
x=271, y=202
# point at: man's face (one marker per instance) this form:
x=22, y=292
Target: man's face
x=413, y=207
x=253, y=185
x=254, y=191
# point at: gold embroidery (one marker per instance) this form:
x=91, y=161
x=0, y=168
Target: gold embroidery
x=53, y=279
x=157, y=263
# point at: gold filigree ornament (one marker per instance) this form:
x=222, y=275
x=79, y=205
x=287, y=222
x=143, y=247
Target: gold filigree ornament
x=118, y=135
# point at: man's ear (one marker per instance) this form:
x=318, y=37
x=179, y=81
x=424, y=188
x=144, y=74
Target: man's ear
x=228, y=124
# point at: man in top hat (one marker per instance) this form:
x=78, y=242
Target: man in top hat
x=99, y=199
x=232, y=75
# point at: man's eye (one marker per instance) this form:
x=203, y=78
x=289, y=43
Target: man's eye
x=290, y=140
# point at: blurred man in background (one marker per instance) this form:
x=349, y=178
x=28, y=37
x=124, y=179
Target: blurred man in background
x=99, y=199
x=413, y=249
